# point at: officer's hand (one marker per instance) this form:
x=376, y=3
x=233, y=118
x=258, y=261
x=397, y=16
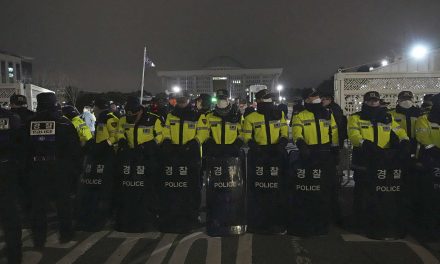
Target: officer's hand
x=254, y=146
x=282, y=143
x=166, y=143
x=122, y=144
x=369, y=147
x=304, y=150
x=238, y=143
x=335, y=154
x=404, y=150
x=209, y=143
x=193, y=144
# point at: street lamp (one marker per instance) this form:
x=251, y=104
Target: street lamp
x=176, y=89
x=419, y=52
x=279, y=88
x=384, y=63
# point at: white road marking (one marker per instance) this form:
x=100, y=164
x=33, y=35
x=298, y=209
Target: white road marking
x=161, y=249
x=31, y=257
x=85, y=245
x=149, y=235
x=244, y=250
x=130, y=241
x=420, y=251
x=122, y=251
x=53, y=242
x=214, y=252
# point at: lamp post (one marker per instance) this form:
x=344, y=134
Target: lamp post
x=279, y=88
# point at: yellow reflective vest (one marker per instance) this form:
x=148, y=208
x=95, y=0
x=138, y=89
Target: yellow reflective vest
x=82, y=129
x=224, y=130
x=380, y=134
x=427, y=133
x=107, y=128
x=407, y=122
x=262, y=131
x=148, y=128
x=181, y=130
x=305, y=127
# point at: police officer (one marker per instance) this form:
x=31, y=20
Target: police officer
x=18, y=104
x=82, y=129
x=53, y=145
x=10, y=221
x=106, y=125
x=266, y=126
x=266, y=133
x=427, y=104
x=139, y=127
x=428, y=136
x=224, y=126
x=184, y=126
x=315, y=133
x=406, y=114
x=140, y=133
x=370, y=133
x=185, y=130
x=203, y=103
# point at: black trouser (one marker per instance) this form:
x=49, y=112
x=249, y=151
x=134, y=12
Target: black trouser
x=50, y=185
x=9, y=218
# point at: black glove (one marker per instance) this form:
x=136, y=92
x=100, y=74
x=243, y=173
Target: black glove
x=304, y=150
x=405, y=150
x=282, y=143
x=122, y=144
x=193, y=144
x=209, y=143
x=238, y=143
x=335, y=154
x=166, y=144
x=254, y=146
x=369, y=147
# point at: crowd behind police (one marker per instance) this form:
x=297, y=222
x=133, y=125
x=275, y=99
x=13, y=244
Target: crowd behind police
x=42, y=152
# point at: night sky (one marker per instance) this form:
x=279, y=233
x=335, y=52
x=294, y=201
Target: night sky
x=99, y=43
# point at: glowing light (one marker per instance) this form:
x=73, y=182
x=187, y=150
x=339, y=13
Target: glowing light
x=419, y=52
x=176, y=89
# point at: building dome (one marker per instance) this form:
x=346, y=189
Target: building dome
x=223, y=63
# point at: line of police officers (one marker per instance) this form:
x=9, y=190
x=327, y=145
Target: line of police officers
x=39, y=149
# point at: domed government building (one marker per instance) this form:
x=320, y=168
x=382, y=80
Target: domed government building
x=220, y=73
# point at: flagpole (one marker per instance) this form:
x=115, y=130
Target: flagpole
x=143, y=73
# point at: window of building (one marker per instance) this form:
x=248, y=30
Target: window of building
x=3, y=71
x=17, y=67
x=11, y=72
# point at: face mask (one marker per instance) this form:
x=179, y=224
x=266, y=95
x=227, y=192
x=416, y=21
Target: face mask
x=406, y=104
x=222, y=104
x=316, y=101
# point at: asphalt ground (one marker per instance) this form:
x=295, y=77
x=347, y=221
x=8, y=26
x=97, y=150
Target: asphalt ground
x=339, y=246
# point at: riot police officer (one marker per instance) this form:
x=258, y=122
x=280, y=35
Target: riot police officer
x=370, y=132
x=106, y=125
x=315, y=133
x=53, y=145
x=140, y=133
x=185, y=130
x=406, y=114
x=18, y=104
x=427, y=130
x=82, y=129
x=266, y=133
x=9, y=151
x=224, y=126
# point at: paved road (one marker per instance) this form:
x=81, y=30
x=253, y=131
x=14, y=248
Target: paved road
x=338, y=247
